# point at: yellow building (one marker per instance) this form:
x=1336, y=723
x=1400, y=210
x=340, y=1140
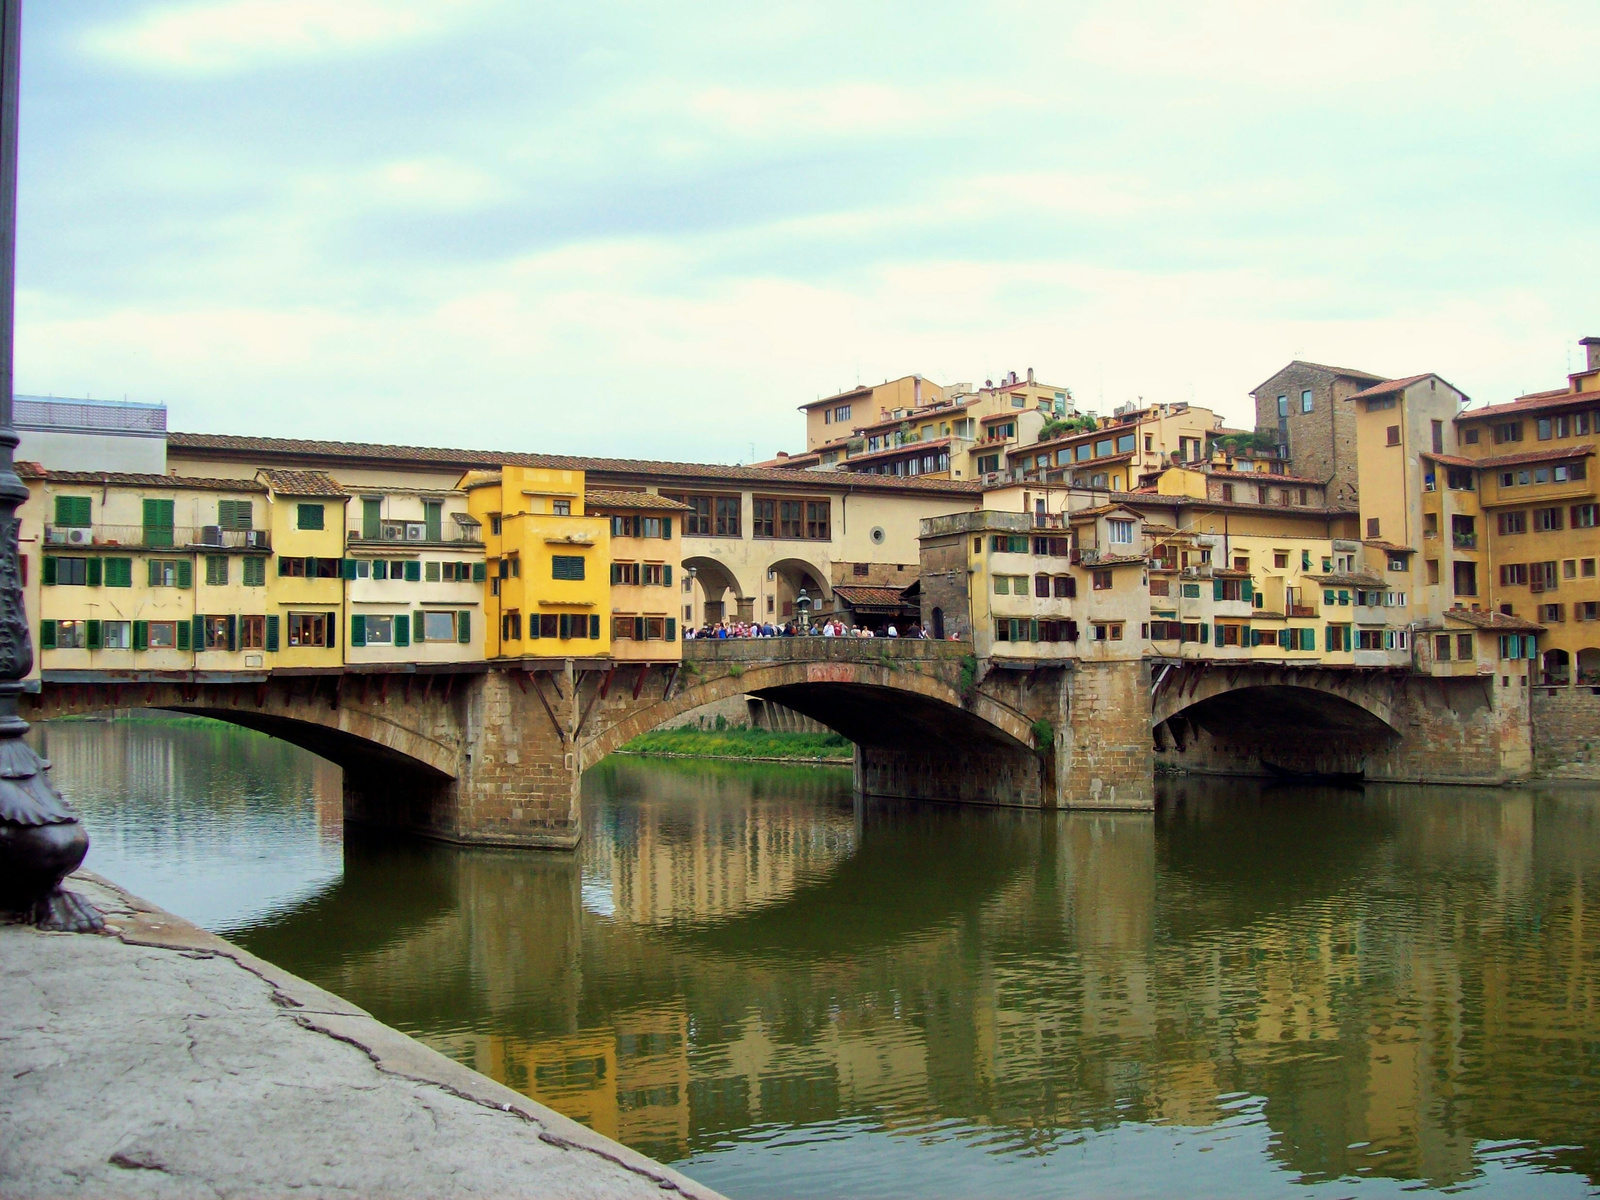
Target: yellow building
x=148, y=572
x=1114, y=453
x=548, y=564
x=647, y=577
x=305, y=600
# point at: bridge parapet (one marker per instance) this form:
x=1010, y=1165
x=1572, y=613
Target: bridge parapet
x=823, y=649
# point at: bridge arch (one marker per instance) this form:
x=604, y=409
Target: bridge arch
x=872, y=704
x=716, y=579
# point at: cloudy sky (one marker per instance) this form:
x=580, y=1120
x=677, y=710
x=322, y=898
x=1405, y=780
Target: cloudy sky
x=654, y=229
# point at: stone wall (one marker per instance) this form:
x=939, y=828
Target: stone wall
x=1104, y=754
x=1566, y=732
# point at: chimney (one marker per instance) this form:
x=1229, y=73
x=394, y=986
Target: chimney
x=1592, y=345
x=1030, y=376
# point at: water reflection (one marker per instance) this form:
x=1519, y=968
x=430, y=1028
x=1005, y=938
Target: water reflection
x=743, y=972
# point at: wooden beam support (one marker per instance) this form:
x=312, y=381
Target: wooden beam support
x=549, y=712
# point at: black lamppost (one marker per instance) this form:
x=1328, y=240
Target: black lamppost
x=41, y=838
x=802, y=604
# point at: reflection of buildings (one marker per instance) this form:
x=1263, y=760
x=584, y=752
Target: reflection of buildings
x=1393, y=978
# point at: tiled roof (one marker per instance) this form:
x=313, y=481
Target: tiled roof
x=1493, y=620
x=366, y=454
x=1533, y=401
x=1142, y=499
x=1117, y=560
x=857, y=596
x=1358, y=579
x=912, y=448
x=1263, y=477
x=1389, y=386
x=1550, y=454
x=1391, y=547
x=593, y=499
x=301, y=483
x=1450, y=460
x=1097, y=510
x=131, y=479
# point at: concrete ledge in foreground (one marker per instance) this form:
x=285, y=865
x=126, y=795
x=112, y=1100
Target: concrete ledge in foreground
x=159, y=1060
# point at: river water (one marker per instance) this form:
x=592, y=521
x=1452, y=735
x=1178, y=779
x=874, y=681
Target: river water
x=1258, y=991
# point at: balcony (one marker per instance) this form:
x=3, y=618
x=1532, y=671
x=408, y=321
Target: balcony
x=140, y=537
x=414, y=533
x=1464, y=541
x=1301, y=610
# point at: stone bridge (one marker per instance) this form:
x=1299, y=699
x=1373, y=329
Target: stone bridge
x=495, y=754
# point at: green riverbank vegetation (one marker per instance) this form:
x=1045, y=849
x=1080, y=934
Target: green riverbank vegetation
x=741, y=742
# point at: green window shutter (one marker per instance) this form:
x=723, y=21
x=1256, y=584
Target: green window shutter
x=433, y=520
x=533, y=626
x=402, y=630
x=358, y=629
x=638, y=629
x=616, y=574
x=185, y=573
x=47, y=635
x=371, y=519
x=347, y=568
x=1244, y=636
x=283, y=566
x=1216, y=589
x=594, y=627
x=480, y=572
x=666, y=575
x=464, y=627
x=94, y=634
x=119, y=572
x=672, y=628
x=1329, y=633
x=564, y=625
x=72, y=511
x=309, y=516
x=199, y=635
x=414, y=571
x=311, y=568
x=1205, y=633
x=1283, y=638
x=566, y=566
x=430, y=571
x=48, y=578
x=1247, y=591
x=93, y=572
x=419, y=628
x=666, y=527
x=1344, y=597
x=141, y=635
x=158, y=522
x=183, y=635
x=1329, y=596
x=272, y=632
x=1033, y=629
x=233, y=633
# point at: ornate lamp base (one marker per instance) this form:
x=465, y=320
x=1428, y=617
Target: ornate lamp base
x=41, y=842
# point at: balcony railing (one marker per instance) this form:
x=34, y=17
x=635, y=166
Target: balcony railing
x=142, y=537
x=1301, y=610
x=1464, y=541
x=415, y=533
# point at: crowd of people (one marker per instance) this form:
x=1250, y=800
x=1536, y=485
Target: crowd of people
x=827, y=627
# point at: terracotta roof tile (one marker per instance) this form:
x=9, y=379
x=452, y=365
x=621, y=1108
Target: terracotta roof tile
x=858, y=595
x=1389, y=386
x=367, y=453
x=650, y=500
x=1532, y=402
x=1300, y=362
x=1391, y=547
x=1450, y=460
x=1493, y=620
x=131, y=479
x=301, y=483
x=1551, y=454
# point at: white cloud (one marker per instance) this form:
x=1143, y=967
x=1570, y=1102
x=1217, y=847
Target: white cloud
x=238, y=35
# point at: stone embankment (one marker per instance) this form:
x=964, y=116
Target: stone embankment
x=158, y=1060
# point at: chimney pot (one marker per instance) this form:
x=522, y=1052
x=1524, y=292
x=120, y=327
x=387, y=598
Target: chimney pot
x=1592, y=345
x=1030, y=376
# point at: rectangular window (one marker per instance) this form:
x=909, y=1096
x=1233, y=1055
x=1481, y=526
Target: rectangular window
x=166, y=572
x=72, y=511
x=1102, y=581
x=566, y=566
x=1121, y=532
x=1513, y=574
x=697, y=522
x=727, y=518
x=1283, y=406
x=1551, y=614
x=439, y=627
x=1585, y=516
x=790, y=518
x=1510, y=431
x=1306, y=403
x=511, y=626
x=1002, y=585
x=1125, y=443
x=1466, y=579
x=252, y=633
x=116, y=635
x=1438, y=436
x=308, y=629
x=1513, y=522
x=163, y=635
x=818, y=519
x=1546, y=520
x=561, y=508
x=430, y=572
x=216, y=631
x=1441, y=647
x=216, y=570
x=1392, y=436
x=158, y=528
x=1372, y=527
x=309, y=516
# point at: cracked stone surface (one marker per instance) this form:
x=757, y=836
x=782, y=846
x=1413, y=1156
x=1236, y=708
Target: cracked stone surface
x=159, y=1060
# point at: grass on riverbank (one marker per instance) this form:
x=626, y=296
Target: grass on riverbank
x=741, y=743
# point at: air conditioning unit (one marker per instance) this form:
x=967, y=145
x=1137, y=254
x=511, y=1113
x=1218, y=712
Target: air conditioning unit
x=56, y=537
x=211, y=535
x=394, y=533
x=255, y=539
x=1191, y=573
x=416, y=531
x=79, y=537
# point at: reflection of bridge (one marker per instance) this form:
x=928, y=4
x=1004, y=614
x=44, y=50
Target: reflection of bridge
x=495, y=754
